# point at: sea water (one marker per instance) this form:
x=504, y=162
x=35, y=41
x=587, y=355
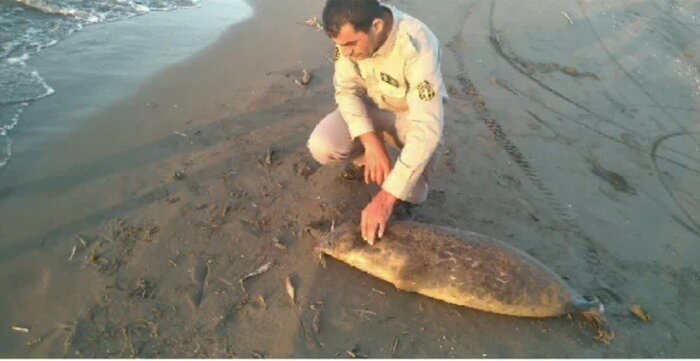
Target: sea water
x=29, y=26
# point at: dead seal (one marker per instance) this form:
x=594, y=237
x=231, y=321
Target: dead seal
x=463, y=268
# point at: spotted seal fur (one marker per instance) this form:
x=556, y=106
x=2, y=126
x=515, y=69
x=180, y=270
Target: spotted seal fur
x=463, y=268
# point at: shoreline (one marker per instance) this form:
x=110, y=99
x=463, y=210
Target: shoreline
x=128, y=54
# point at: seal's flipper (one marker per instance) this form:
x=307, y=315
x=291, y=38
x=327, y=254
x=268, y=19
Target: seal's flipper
x=603, y=332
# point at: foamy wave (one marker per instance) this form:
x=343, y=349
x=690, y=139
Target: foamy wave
x=689, y=73
x=6, y=49
x=87, y=16
x=5, y=149
x=5, y=141
x=49, y=89
x=13, y=120
x=686, y=14
x=142, y=9
x=26, y=84
x=19, y=60
x=87, y=11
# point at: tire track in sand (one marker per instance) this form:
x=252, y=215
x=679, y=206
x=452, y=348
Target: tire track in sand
x=653, y=153
x=591, y=256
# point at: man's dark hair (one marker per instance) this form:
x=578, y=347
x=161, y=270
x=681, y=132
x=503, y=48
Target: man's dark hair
x=359, y=13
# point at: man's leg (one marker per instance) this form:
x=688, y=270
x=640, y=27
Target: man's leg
x=330, y=142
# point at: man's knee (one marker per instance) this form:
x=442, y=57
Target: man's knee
x=329, y=142
x=321, y=148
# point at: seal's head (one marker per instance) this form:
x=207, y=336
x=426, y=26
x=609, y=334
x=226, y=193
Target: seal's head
x=343, y=240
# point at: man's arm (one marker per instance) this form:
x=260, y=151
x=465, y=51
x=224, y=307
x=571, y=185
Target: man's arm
x=349, y=89
x=425, y=112
x=377, y=162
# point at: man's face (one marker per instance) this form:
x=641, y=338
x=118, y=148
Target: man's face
x=358, y=45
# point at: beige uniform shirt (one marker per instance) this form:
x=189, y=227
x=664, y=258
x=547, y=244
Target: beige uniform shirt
x=402, y=76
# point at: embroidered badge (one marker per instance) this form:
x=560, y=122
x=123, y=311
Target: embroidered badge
x=425, y=91
x=336, y=54
x=389, y=80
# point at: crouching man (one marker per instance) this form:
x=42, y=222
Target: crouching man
x=389, y=90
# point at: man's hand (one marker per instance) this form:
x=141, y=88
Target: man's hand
x=376, y=215
x=377, y=163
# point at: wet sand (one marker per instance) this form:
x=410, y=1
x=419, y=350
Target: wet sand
x=575, y=141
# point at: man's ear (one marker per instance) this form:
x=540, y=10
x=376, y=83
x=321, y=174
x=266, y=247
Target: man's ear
x=377, y=25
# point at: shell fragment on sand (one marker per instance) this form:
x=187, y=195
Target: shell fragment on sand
x=277, y=243
x=20, y=329
x=394, y=345
x=305, y=78
x=290, y=289
x=72, y=253
x=638, y=311
x=566, y=15
x=378, y=291
x=262, y=269
x=314, y=23
x=268, y=156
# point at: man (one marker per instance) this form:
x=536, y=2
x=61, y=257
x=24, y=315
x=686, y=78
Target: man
x=388, y=87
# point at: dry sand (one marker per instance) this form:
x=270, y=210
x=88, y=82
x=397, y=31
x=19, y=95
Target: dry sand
x=574, y=141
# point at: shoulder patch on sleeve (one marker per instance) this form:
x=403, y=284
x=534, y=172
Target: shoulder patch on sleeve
x=426, y=91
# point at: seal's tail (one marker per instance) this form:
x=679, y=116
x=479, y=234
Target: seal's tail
x=592, y=310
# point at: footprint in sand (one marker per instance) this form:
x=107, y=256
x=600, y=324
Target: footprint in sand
x=200, y=271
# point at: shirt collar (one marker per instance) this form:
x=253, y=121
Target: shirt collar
x=391, y=39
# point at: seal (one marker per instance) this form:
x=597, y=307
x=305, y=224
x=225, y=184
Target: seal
x=463, y=268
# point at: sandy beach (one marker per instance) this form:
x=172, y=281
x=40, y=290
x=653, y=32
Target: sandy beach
x=128, y=220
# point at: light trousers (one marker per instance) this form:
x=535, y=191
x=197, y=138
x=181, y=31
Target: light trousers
x=330, y=143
